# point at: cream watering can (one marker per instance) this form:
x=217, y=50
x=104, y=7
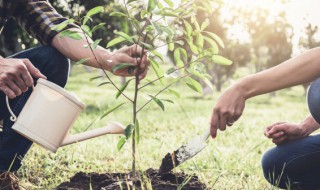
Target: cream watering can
x=49, y=114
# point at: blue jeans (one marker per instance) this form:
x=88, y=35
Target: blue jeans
x=55, y=67
x=294, y=164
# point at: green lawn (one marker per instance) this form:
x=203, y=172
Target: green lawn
x=231, y=161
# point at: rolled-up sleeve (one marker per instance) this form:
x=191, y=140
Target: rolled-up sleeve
x=39, y=18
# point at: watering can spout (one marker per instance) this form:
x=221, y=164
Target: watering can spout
x=111, y=128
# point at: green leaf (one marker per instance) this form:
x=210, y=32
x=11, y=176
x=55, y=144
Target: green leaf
x=196, y=24
x=97, y=27
x=120, y=14
x=200, y=40
x=130, y=1
x=95, y=10
x=152, y=5
x=180, y=64
x=157, y=69
x=173, y=72
x=207, y=81
x=94, y=78
x=169, y=32
x=148, y=46
x=86, y=30
x=158, y=102
x=194, y=85
x=112, y=109
x=169, y=14
x=216, y=38
x=143, y=13
x=184, y=53
x=193, y=47
x=128, y=130
x=122, y=88
x=171, y=46
x=85, y=19
x=120, y=66
x=176, y=55
x=157, y=27
x=213, y=44
x=157, y=54
x=81, y=61
x=137, y=132
x=188, y=27
x=104, y=83
x=204, y=24
x=169, y=2
x=115, y=41
x=125, y=36
x=160, y=6
x=121, y=142
x=91, y=12
x=218, y=59
x=96, y=43
x=174, y=93
x=63, y=25
x=70, y=34
x=167, y=100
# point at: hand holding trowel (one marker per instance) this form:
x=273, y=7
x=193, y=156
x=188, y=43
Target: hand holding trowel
x=185, y=152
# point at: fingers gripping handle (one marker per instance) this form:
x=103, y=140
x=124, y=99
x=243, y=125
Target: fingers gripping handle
x=13, y=116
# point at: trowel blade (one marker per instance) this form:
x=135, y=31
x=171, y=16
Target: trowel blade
x=185, y=152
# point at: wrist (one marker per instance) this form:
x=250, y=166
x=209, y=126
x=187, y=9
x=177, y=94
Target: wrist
x=243, y=88
x=308, y=125
x=104, y=57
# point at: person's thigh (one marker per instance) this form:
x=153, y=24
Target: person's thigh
x=56, y=68
x=296, y=162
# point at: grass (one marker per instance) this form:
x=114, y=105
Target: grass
x=231, y=161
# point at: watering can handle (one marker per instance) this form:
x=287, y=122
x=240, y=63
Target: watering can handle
x=13, y=116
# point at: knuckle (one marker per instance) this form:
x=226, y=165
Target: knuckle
x=217, y=109
x=21, y=67
x=225, y=112
x=25, y=60
x=3, y=77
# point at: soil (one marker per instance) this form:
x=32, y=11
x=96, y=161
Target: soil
x=114, y=181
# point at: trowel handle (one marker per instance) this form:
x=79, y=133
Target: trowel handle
x=205, y=135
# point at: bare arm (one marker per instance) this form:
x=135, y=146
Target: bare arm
x=301, y=69
x=75, y=50
x=298, y=70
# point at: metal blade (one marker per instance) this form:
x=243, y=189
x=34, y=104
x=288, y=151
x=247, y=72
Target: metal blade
x=182, y=154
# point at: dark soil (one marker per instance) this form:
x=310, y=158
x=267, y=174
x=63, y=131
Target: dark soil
x=114, y=181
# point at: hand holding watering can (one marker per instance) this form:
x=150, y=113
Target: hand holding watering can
x=49, y=114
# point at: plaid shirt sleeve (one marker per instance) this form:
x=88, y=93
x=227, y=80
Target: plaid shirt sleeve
x=38, y=18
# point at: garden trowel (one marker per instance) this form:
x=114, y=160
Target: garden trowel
x=185, y=152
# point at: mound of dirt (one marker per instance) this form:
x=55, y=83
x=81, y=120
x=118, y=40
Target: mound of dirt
x=117, y=181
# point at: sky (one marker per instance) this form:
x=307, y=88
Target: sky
x=299, y=12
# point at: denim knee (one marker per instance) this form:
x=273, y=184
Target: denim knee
x=274, y=168
x=57, y=65
x=54, y=65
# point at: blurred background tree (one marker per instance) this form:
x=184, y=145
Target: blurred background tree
x=255, y=39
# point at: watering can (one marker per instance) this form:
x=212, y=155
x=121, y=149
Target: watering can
x=49, y=114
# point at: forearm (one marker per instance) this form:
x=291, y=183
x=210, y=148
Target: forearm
x=309, y=125
x=301, y=69
x=75, y=50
